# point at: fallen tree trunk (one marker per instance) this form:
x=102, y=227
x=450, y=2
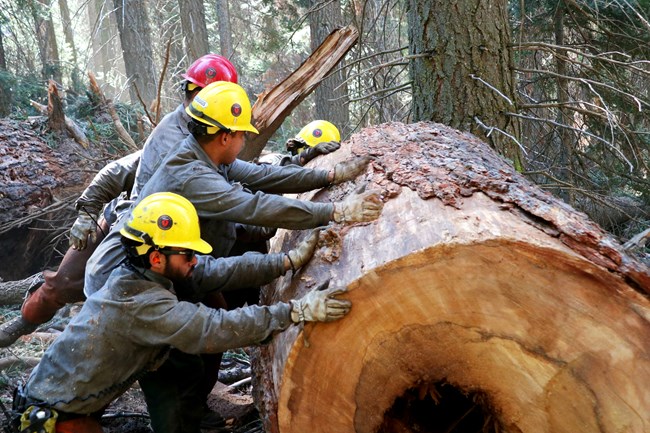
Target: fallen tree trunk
x=480, y=303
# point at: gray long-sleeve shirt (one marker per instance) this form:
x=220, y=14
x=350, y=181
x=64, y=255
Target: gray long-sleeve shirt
x=129, y=173
x=223, y=196
x=171, y=130
x=127, y=327
x=109, y=183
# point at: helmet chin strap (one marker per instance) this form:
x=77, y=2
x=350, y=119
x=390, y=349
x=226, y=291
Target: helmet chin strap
x=214, y=124
x=148, y=242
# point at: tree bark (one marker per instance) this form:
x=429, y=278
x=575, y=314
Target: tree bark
x=331, y=95
x=479, y=303
x=3, y=59
x=461, y=69
x=73, y=129
x=105, y=43
x=55, y=114
x=13, y=292
x=195, y=32
x=273, y=106
x=225, y=31
x=47, y=46
x=5, y=89
x=135, y=36
x=66, y=22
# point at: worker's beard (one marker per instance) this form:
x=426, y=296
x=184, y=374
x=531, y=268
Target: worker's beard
x=183, y=285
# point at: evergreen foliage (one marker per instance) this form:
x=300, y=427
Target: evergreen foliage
x=582, y=71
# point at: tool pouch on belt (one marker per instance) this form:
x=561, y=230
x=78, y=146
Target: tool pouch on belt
x=37, y=419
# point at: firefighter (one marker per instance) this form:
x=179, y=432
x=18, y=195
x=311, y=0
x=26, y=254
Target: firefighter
x=319, y=137
x=119, y=178
x=137, y=318
x=228, y=192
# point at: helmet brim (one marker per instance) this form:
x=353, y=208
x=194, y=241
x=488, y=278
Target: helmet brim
x=247, y=128
x=199, y=245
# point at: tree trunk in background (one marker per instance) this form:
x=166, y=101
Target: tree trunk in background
x=462, y=69
x=225, y=32
x=564, y=138
x=195, y=33
x=5, y=90
x=480, y=303
x=69, y=40
x=331, y=95
x=3, y=59
x=135, y=36
x=47, y=46
x=106, y=59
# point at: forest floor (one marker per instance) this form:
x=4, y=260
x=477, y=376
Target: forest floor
x=128, y=414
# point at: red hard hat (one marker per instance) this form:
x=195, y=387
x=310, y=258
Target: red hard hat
x=209, y=68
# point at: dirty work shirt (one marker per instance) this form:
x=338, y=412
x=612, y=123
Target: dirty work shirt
x=94, y=361
x=107, y=186
x=130, y=173
x=171, y=130
x=223, y=196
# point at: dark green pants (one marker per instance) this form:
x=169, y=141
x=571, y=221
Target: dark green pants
x=175, y=394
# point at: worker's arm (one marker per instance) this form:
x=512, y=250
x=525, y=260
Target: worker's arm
x=109, y=183
x=116, y=177
x=250, y=269
x=195, y=328
x=276, y=179
x=215, y=198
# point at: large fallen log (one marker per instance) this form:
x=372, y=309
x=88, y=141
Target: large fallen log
x=480, y=304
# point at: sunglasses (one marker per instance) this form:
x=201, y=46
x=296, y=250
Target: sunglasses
x=189, y=254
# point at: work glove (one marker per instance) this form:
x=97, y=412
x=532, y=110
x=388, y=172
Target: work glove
x=358, y=207
x=350, y=169
x=320, y=305
x=300, y=255
x=84, y=226
x=320, y=149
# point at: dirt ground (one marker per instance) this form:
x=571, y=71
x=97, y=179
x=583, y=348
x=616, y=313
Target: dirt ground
x=128, y=414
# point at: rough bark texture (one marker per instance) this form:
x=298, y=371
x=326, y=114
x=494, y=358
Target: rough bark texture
x=37, y=189
x=135, y=37
x=55, y=114
x=475, y=292
x=225, y=30
x=330, y=98
x=75, y=130
x=461, y=68
x=272, y=107
x=195, y=33
x=105, y=43
x=47, y=45
x=13, y=292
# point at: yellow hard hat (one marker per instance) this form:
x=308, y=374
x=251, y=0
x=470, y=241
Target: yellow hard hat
x=165, y=219
x=222, y=106
x=319, y=131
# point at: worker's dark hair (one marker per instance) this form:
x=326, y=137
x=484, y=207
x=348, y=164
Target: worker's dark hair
x=199, y=129
x=132, y=256
x=189, y=94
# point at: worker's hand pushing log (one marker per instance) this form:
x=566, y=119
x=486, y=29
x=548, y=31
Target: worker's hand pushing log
x=300, y=255
x=320, y=305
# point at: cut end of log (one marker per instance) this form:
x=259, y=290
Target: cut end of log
x=526, y=332
x=479, y=304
